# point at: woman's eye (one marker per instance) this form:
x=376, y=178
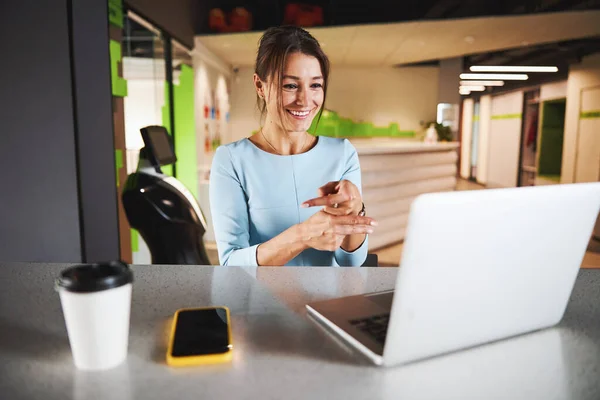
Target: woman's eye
x=316, y=85
x=290, y=86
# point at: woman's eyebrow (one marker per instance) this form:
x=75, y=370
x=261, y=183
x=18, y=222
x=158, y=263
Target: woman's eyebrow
x=297, y=78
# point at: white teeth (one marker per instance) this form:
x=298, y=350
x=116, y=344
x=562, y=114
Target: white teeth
x=299, y=113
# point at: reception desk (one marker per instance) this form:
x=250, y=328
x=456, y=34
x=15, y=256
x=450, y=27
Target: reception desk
x=394, y=172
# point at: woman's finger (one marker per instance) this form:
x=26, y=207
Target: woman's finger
x=352, y=229
x=345, y=208
x=331, y=200
x=328, y=188
x=338, y=211
x=353, y=220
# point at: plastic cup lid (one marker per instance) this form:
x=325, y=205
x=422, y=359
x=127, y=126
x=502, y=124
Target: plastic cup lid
x=87, y=278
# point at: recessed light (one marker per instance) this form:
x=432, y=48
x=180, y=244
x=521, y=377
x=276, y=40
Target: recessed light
x=504, y=77
x=484, y=83
x=473, y=88
x=511, y=68
x=469, y=39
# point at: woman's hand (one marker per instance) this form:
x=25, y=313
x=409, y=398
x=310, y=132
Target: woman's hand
x=342, y=199
x=338, y=198
x=324, y=231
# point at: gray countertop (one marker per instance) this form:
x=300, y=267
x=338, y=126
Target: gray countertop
x=278, y=352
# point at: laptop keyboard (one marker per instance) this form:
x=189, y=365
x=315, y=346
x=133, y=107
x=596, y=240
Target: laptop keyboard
x=375, y=326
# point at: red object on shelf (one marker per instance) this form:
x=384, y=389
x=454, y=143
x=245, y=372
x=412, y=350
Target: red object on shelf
x=238, y=20
x=216, y=20
x=300, y=14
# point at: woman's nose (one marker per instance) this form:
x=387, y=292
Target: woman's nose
x=303, y=97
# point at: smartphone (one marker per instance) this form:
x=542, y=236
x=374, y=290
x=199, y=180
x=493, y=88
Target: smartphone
x=200, y=336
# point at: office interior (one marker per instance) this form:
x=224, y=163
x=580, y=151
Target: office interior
x=79, y=81
x=393, y=76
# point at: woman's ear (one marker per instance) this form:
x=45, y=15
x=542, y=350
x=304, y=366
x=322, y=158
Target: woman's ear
x=259, y=86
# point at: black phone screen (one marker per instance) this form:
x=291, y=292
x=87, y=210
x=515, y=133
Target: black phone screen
x=200, y=332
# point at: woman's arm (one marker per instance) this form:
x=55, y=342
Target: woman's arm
x=344, y=197
x=229, y=209
x=322, y=231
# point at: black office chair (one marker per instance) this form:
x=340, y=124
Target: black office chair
x=371, y=261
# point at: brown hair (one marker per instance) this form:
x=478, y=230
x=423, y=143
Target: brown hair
x=274, y=47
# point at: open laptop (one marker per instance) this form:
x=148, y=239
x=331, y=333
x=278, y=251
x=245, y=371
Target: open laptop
x=477, y=266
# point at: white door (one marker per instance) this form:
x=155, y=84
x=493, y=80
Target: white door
x=587, y=162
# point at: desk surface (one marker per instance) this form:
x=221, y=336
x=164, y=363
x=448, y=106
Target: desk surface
x=279, y=352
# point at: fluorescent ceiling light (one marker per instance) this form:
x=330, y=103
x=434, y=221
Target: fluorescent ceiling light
x=507, y=68
x=483, y=83
x=473, y=88
x=505, y=77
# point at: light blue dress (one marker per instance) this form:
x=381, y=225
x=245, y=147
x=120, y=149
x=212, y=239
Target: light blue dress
x=256, y=195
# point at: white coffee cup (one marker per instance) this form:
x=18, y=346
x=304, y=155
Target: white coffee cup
x=96, y=301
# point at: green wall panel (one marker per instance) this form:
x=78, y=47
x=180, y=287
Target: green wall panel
x=589, y=114
x=118, y=84
x=331, y=124
x=551, y=140
x=166, y=122
x=185, y=130
x=118, y=164
x=115, y=12
x=507, y=116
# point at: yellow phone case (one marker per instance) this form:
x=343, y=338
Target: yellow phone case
x=199, y=359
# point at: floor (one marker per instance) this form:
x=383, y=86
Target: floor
x=390, y=256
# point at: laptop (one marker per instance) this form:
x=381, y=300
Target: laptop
x=476, y=267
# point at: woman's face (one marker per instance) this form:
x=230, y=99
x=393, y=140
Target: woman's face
x=301, y=93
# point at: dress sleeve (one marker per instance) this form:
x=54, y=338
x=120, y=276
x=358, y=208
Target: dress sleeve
x=352, y=173
x=229, y=210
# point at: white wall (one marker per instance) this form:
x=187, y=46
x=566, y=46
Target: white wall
x=406, y=96
x=485, y=114
x=244, y=113
x=143, y=103
x=583, y=78
x=385, y=95
x=553, y=91
x=504, y=140
x=465, y=138
x=212, y=87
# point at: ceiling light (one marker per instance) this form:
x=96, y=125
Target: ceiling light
x=469, y=39
x=506, y=77
x=473, y=88
x=511, y=68
x=484, y=83
x=464, y=92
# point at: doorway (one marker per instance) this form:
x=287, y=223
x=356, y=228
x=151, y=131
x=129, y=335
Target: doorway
x=474, y=143
x=551, y=140
x=529, y=138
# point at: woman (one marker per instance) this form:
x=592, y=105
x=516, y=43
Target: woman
x=262, y=187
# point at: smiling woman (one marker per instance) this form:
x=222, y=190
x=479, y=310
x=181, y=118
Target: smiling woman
x=263, y=188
